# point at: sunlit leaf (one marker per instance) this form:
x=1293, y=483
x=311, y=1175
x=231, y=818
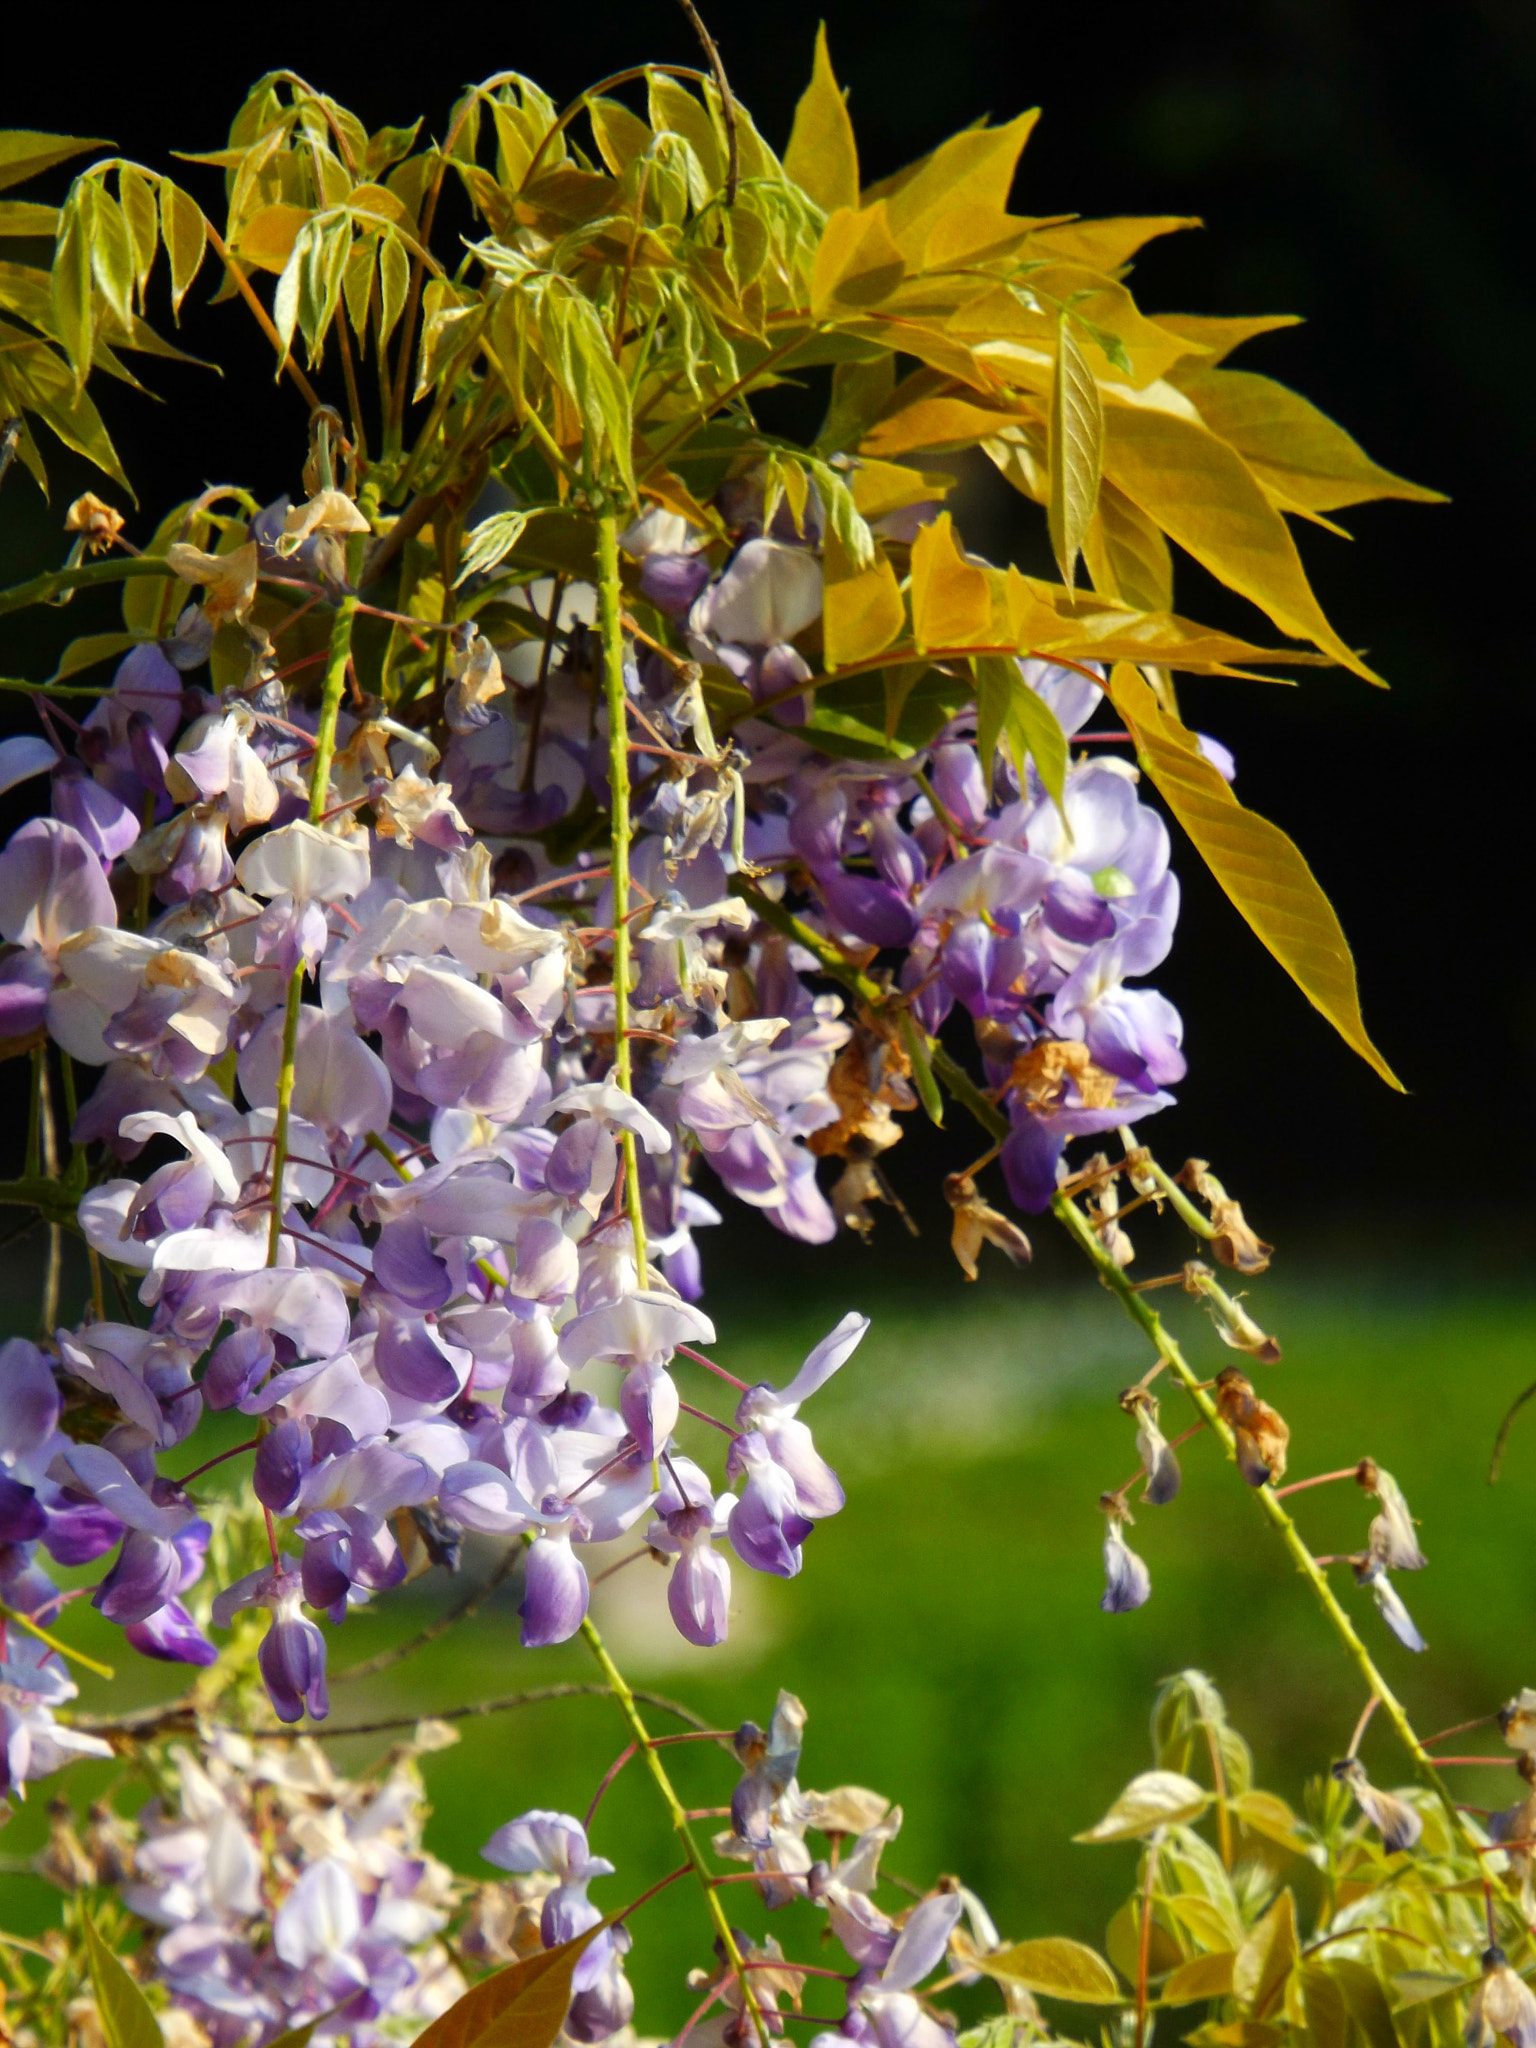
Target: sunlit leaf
x=857, y=263
x=184, y=232
x=822, y=156
x=1126, y=553
x=1104, y=244
x=1266, y=1958
x=73, y=312
x=935, y=421
x=1056, y=1968
x=1201, y=1977
x=951, y=597
x=127, y=2018
x=25, y=153
x=1201, y=494
x=1218, y=334
x=862, y=611
x=1007, y=708
x=20, y=217
x=1254, y=861
x=1289, y=445
x=112, y=256
x=41, y=381
x=1076, y=450
x=489, y=543
x=91, y=648
x=1263, y=1813
x=522, y=2006
x=1156, y=1799
x=267, y=238
x=136, y=192
x=972, y=169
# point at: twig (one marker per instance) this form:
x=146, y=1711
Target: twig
x=727, y=99
x=466, y=1607
x=1504, y=1428
x=536, y=1697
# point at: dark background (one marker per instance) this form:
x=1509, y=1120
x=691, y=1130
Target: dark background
x=1363, y=165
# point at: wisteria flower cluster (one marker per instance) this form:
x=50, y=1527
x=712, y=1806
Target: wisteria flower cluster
x=568, y=808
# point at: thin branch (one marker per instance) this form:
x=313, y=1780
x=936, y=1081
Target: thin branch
x=466, y=1607
x=727, y=100
x=536, y=1697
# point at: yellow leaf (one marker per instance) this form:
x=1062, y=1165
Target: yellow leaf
x=857, y=263
x=1266, y=1957
x=378, y=199
x=1201, y=1977
x=936, y=422
x=1263, y=1813
x=1055, y=1968
x=951, y=597
x=880, y=488
x=973, y=168
x=522, y=2006
x=268, y=237
x=1288, y=443
x=673, y=107
x=1219, y=334
x=1075, y=445
x=1202, y=495
x=1255, y=862
x=1155, y=1799
x=862, y=609
x=1104, y=244
x=620, y=135
x=1096, y=301
x=822, y=157
x=1127, y=555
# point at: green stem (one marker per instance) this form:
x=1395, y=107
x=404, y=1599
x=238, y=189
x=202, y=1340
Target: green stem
x=1148, y=1320
x=10, y=1616
x=330, y=704
x=618, y=1685
x=610, y=610
x=118, y=570
x=992, y=1120
x=319, y=788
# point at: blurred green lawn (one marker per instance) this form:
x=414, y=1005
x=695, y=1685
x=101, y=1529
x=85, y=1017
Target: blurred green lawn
x=945, y=1635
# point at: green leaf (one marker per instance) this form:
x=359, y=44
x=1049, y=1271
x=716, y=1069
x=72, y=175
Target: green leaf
x=1255, y=862
x=1294, y=450
x=1322, y=2000
x=1009, y=709
x=91, y=648
x=914, y=1043
x=21, y=217
x=1127, y=554
x=73, y=313
x=136, y=193
x=1156, y=1799
x=489, y=543
x=523, y=2006
x=1201, y=1977
x=862, y=608
x=1266, y=1958
x=394, y=278
x=112, y=260
x=822, y=156
x=24, y=152
x=1263, y=1813
x=1076, y=450
x=184, y=232
x=127, y=2018
x=1055, y=1968
x=35, y=377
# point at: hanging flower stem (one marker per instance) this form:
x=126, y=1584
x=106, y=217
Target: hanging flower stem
x=319, y=787
x=618, y=1685
x=610, y=614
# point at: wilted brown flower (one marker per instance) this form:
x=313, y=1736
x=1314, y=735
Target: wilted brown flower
x=977, y=1223
x=1236, y=1243
x=1234, y=1325
x=1260, y=1434
x=97, y=522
